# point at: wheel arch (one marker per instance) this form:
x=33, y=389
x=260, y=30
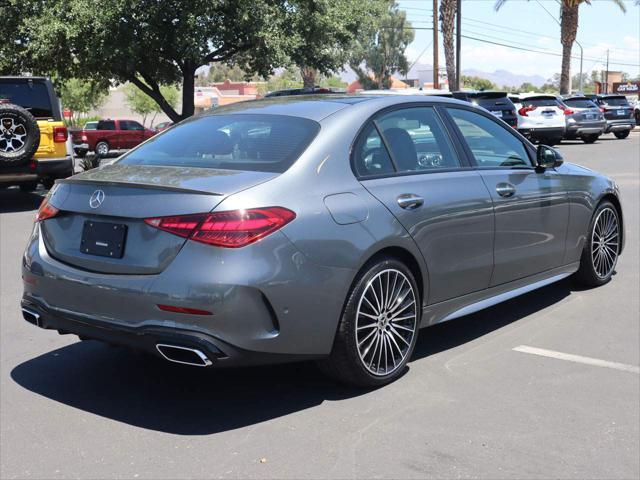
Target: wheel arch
x=616, y=203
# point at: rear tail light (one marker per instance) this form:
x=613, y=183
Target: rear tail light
x=84, y=138
x=231, y=229
x=566, y=110
x=46, y=210
x=529, y=108
x=60, y=134
x=187, y=310
x=602, y=109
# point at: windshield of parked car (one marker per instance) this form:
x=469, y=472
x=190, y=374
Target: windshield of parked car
x=262, y=143
x=32, y=96
x=580, y=103
x=616, y=101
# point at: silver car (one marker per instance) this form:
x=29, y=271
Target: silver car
x=584, y=118
x=329, y=228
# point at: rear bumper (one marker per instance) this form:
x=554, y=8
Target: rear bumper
x=589, y=128
x=44, y=168
x=620, y=125
x=146, y=339
x=542, y=133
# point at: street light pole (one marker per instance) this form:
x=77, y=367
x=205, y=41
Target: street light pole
x=581, y=56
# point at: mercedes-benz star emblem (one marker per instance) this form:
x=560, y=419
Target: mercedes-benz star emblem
x=96, y=199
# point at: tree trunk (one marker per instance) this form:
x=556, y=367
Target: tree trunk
x=568, y=28
x=308, y=77
x=154, y=92
x=447, y=24
x=188, y=92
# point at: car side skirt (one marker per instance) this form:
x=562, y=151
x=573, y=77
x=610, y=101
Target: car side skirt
x=474, y=302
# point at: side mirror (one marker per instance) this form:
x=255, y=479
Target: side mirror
x=547, y=157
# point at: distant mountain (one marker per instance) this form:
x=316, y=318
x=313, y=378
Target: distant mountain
x=506, y=78
x=424, y=73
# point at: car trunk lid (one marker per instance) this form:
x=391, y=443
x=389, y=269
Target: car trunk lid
x=101, y=228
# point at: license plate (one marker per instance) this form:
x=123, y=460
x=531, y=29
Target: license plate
x=103, y=239
x=497, y=113
x=590, y=116
x=548, y=113
x=620, y=113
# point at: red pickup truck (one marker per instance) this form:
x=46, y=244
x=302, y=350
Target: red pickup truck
x=110, y=135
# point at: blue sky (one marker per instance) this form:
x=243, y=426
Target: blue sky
x=602, y=25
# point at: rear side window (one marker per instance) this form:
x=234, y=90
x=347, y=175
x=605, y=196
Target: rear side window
x=106, y=125
x=262, y=143
x=492, y=145
x=616, y=101
x=371, y=157
x=32, y=96
x=580, y=103
x=416, y=140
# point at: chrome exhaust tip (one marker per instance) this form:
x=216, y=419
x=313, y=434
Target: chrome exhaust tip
x=183, y=355
x=31, y=316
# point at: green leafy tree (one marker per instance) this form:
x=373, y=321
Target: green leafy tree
x=150, y=43
x=477, y=83
x=81, y=96
x=381, y=53
x=528, y=87
x=219, y=72
x=323, y=32
x=569, y=10
x=144, y=105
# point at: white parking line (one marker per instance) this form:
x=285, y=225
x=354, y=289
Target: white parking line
x=577, y=358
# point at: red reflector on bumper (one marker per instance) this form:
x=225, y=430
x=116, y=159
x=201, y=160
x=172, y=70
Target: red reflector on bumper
x=187, y=310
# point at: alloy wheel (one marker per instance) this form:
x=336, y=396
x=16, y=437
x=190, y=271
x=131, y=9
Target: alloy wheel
x=12, y=135
x=604, y=242
x=386, y=322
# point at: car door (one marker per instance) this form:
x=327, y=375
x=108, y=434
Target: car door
x=136, y=134
x=531, y=205
x=125, y=134
x=406, y=159
x=107, y=132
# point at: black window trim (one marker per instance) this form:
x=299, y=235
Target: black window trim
x=528, y=146
x=461, y=155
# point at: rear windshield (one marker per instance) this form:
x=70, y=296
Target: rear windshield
x=580, y=103
x=32, y=96
x=540, y=102
x=500, y=103
x=261, y=143
x=616, y=101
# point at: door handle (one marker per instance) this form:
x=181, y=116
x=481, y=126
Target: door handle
x=410, y=201
x=505, y=189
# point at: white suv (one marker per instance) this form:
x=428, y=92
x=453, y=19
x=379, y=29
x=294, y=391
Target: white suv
x=541, y=117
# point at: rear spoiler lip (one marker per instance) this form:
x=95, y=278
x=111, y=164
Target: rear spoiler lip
x=150, y=186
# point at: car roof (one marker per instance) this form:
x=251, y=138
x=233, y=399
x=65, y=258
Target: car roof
x=318, y=107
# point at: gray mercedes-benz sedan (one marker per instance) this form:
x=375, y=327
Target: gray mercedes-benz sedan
x=329, y=228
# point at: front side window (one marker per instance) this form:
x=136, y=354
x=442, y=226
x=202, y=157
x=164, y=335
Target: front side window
x=263, y=143
x=491, y=144
x=416, y=140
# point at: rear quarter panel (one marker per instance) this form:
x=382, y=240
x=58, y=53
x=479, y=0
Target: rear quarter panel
x=48, y=148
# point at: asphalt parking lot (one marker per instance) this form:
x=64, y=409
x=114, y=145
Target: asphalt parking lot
x=543, y=386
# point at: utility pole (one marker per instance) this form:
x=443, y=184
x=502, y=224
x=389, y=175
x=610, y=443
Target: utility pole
x=436, y=69
x=458, y=44
x=606, y=76
x=581, y=56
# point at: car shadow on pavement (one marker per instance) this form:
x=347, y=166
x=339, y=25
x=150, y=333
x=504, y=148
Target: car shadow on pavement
x=15, y=200
x=147, y=392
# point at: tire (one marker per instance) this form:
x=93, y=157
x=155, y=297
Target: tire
x=28, y=187
x=622, y=135
x=598, y=260
x=363, y=335
x=102, y=149
x=590, y=138
x=19, y=135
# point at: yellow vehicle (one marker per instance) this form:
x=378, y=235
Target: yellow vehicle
x=34, y=143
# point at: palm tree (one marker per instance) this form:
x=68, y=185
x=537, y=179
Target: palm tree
x=448, y=9
x=568, y=30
